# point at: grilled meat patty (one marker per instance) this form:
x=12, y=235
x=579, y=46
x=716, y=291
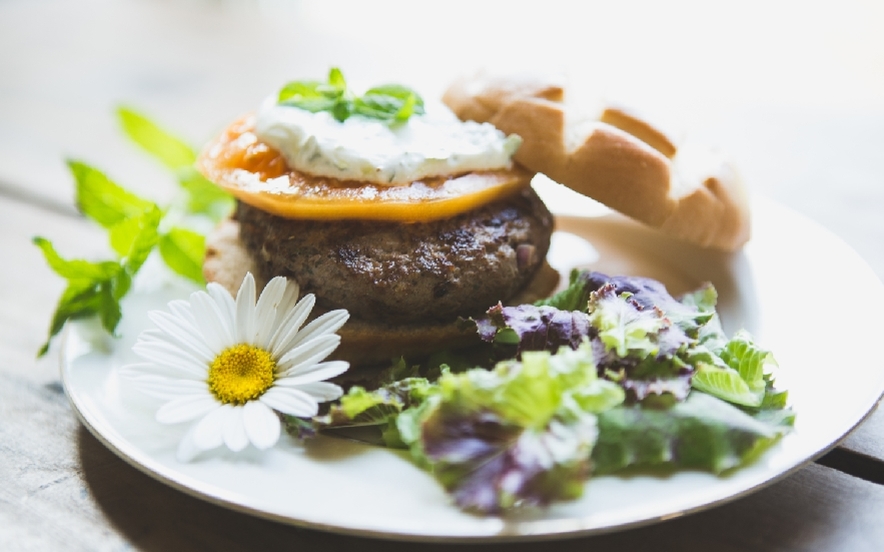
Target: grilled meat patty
x=403, y=273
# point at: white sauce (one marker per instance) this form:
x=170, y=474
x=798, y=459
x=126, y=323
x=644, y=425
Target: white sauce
x=434, y=144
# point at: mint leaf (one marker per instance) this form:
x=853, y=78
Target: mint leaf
x=183, y=251
x=168, y=149
x=204, y=197
x=102, y=200
x=391, y=103
x=315, y=96
x=134, y=238
x=94, y=288
x=77, y=269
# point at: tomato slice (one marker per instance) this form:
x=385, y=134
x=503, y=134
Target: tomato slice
x=257, y=174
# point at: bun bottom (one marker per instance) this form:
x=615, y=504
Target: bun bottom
x=363, y=342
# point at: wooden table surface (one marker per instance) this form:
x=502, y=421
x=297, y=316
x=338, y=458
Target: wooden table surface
x=794, y=91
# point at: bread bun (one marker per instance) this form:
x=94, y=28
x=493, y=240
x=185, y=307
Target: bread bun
x=362, y=342
x=616, y=158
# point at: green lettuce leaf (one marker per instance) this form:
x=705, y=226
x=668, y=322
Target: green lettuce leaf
x=518, y=434
x=490, y=465
x=738, y=372
x=702, y=432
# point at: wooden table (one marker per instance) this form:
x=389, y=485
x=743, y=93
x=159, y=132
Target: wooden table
x=794, y=92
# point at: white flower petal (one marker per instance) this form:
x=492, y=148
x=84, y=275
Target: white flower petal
x=289, y=325
x=168, y=355
x=315, y=372
x=266, y=310
x=185, y=335
x=209, y=432
x=328, y=323
x=308, y=353
x=291, y=401
x=322, y=391
x=235, y=430
x=216, y=323
x=186, y=408
x=164, y=387
x=188, y=338
x=288, y=302
x=245, y=310
x=169, y=372
x=187, y=450
x=184, y=310
x=222, y=297
x=262, y=424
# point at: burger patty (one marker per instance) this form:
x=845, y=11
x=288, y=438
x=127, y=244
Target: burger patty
x=406, y=273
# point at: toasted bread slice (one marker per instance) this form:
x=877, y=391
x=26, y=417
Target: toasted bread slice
x=615, y=157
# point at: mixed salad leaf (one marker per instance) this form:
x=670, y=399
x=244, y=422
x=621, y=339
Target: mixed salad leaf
x=135, y=227
x=612, y=373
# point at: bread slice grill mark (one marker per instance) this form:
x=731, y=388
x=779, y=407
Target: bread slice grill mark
x=617, y=158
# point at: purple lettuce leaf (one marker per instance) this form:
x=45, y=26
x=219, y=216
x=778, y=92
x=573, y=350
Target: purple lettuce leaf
x=533, y=328
x=490, y=465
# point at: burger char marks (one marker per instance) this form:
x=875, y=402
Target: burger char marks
x=406, y=273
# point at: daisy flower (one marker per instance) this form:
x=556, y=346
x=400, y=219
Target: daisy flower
x=230, y=366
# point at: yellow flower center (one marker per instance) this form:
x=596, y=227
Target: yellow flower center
x=241, y=374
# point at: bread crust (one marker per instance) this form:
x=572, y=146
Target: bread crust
x=617, y=158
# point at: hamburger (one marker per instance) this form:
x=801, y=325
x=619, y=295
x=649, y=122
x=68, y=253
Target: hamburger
x=431, y=224
x=412, y=246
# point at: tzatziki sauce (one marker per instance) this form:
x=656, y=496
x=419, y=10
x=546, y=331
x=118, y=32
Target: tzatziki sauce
x=436, y=143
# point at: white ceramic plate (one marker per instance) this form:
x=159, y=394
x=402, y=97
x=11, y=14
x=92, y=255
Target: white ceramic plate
x=799, y=290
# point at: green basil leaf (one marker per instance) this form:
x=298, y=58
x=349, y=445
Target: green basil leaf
x=168, y=149
x=100, y=199
x=183, y=251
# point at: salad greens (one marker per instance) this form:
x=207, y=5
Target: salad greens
x=612, y=373
x=390, y=103
x=135, y=227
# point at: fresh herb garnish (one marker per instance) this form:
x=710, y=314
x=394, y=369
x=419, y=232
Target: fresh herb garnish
x=135, y=227
x=391, y=103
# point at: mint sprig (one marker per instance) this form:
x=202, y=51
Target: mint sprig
x=135, y=227
x=390, y=103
